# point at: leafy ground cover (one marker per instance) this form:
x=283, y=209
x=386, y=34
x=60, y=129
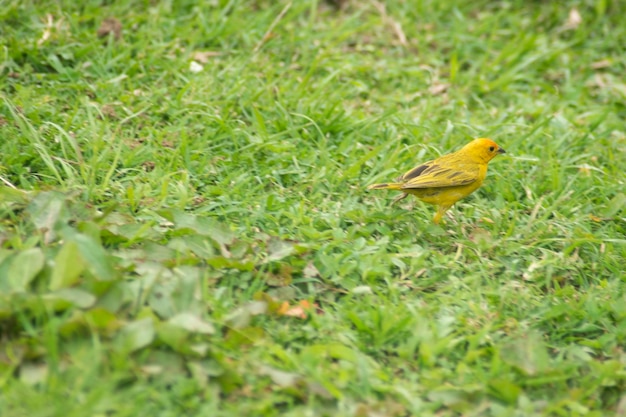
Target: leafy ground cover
x=185, y=230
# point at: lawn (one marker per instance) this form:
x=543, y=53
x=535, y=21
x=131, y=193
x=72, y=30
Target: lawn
x=185, y=228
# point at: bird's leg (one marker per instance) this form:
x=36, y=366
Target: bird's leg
x=398, y=198
x=440, y=212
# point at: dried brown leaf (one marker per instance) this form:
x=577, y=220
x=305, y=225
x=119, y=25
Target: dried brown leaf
x=605, y=63
x=108, y=26
x=574, y=19
x=282, y=278
x=438, y=88
x=310, y=271
x=395, y=25
x=204, y=56
x=148, y=166
x=299, y=310
x=108, y=111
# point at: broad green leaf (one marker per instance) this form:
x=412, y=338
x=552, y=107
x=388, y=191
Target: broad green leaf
x=11, y=195
x=527, y=353
x=201, y=246
x=192, y=323
x=237, y=337
x=76, y=296
x=242, y=316
x=68, y=265
x=219, y=262
x=174, y=336
x=504, y=390
x=617, y=204
x=96, y=259
x=135, y=335
x=199, y=373
x=331, y=350
x=95, y=319
x=5, y=254
x=278, y=249
x=205, y=226
x=161, y=302
x=24, y=268
x=169, y=365
x=46, y=210
x=116, y=296
x=63, y=299
x=199, y=349
x=101, y=319
x=280, y=378
x=448, y=395
x=6, y=257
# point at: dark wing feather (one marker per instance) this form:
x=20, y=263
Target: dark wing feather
x=432, y=175
x=415, y=172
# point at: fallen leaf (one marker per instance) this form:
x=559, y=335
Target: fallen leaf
x=48, y=26
x=195, y=67
x=282, y=308
x=362, y=289
x=310, y=271
x=438, y=88
x=108, y=26
x=203, y=56
x=574, y=19
x=395, y=25
x=151, y=369
x=282, y=278
x=200, y=349
x=278, y=249
x=108, y=111
x=242, y=316
x=298, y=310
x=479, y=235
x=605, y=63
x=33, y=373
x=148, y=166
x=281, y=378
x=192, y=323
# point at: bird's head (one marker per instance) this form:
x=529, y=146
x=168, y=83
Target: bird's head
x=483, y=149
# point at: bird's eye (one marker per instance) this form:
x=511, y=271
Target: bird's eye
x=491, y=149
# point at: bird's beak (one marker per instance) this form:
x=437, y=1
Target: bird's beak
x=500, y=150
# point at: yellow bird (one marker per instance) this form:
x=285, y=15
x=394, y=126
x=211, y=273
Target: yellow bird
x=449, y=178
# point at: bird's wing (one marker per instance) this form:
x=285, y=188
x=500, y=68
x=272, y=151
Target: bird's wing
x=433, y=174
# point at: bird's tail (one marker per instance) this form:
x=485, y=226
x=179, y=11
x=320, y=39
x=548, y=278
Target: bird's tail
x=386, y=185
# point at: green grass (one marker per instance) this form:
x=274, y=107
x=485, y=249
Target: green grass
x=154, y=221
